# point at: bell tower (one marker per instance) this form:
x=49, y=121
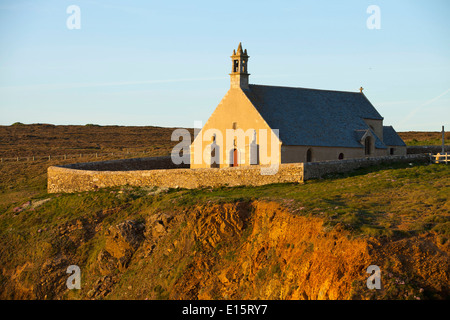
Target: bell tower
x=239, y=72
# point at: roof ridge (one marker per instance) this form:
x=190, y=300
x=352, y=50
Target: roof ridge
x=329, y=90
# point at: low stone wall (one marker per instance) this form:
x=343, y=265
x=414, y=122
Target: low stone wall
x=315, y=170
x=426, y=149
x=68, y=179
x=147, y=172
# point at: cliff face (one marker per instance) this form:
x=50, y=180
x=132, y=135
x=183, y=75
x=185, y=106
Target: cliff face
x=262, y=251
x=245, y=250
x=272, y=254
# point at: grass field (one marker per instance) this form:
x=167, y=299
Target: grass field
x=21, y=140
x=420, y=138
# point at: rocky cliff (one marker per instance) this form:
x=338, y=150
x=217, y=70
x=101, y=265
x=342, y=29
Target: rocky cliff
x=243, y=250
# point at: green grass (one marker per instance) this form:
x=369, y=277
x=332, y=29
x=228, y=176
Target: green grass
x=427, y=142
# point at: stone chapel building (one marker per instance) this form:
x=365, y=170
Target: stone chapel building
x=313, y=125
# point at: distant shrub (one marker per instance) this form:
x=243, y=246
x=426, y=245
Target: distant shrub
x=17, y=124
x=92, y=125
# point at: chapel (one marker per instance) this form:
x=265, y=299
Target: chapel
x=259, y=124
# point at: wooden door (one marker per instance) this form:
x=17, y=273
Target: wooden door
x=235, y=158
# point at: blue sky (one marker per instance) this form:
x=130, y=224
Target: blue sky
x=166, y=63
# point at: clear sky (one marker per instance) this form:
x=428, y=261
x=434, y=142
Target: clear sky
x=166, y=63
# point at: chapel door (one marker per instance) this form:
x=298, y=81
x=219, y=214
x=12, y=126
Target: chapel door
x=235, y=158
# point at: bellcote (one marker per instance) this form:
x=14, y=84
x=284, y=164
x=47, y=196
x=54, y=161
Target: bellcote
x=239, y=72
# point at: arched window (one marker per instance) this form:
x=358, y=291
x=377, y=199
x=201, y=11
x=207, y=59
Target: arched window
x=309, y=155
x=341, y=156
x=367, y=146
x=215, y=153
x=236, y=66
x=215, y=161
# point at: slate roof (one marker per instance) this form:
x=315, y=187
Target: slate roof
x=391, y=138
x=314, y=117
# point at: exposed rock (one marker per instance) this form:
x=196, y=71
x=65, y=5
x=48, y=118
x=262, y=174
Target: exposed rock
x=30, y=204
x=122, y=241
x=158, y=190
x=214, y=226
x=158, y=225
x=23, y=207
x=37, y=203
x=17, y=209
x=127, y=235
x=19, y=289
x=106, y=263
x=53, y=277
x=102, y=287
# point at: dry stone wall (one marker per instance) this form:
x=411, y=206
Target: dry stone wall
x=64, y=179
x=426, y=149
x=316, y=170
x=161, y=172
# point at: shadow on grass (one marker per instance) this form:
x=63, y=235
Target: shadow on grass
x=374, y=168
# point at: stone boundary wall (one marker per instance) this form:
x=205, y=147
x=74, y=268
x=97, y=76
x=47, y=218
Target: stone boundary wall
x=67, y=179
x=426, y=149
x=147, y=172
x=316, y=170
